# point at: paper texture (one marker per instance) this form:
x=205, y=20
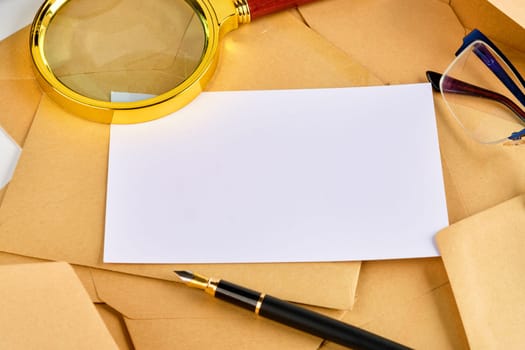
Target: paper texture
x=301, y=175
x=483, y=255
x=10, y=152
x=44, y=306
x=59, y=189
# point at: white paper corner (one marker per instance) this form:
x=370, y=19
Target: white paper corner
x=9, y=154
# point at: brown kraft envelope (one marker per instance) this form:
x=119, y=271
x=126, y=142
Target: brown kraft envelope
x=54, y=207
x=44, y=306
x=483, y=255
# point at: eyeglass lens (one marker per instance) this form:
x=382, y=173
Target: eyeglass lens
x=479, y=96
x=96, y=47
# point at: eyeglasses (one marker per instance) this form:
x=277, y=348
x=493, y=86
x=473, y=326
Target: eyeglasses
x=484, y=92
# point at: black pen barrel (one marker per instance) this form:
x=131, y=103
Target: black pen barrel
x=303, y=319
x=324, y=327
x=235, y=294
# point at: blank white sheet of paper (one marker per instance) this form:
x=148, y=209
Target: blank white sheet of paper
x=9, y=155
x=16, y=14
x=279, y=176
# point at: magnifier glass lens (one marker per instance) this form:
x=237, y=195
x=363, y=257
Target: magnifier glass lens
x=96, y=47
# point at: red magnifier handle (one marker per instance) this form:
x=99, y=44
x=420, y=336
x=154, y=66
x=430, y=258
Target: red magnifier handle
x=260, y=8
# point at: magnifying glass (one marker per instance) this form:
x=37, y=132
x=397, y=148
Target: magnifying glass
x=130, y=61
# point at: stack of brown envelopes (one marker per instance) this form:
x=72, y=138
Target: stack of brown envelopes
x=53, y=209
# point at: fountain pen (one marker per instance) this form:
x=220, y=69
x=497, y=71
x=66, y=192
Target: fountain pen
x=290, y=314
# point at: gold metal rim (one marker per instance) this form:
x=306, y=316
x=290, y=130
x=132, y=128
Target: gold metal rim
x=130, y=112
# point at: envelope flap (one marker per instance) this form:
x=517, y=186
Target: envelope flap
x=246, y=332
x=396, y=41
x=286, y=54
x=159, y=299
x=483, y=256
x=44, y=306
x=163, y=315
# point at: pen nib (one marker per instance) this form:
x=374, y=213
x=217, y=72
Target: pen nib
x=184, y=276
x=193, y=280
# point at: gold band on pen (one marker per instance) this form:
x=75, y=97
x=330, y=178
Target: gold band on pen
x=259, y=303
x=211, y=286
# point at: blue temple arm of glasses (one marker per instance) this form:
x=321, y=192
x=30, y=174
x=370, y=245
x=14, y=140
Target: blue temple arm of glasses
x=516, y=136
x=478, y=35
x=457, y=86
x=490, y=61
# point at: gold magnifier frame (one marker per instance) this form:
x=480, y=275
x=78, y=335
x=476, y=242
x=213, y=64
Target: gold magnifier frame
x=218, y=18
